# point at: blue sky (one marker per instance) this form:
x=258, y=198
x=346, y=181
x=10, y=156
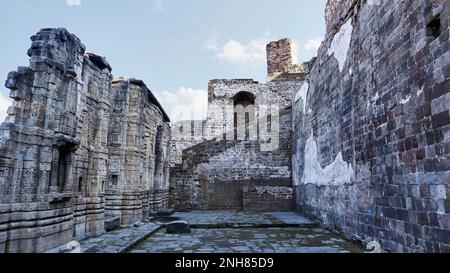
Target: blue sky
x=175, y=46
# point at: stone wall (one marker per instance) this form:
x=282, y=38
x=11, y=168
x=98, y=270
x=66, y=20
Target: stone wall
x=39, y=143
x=371, y=125
x=54, y=147
x=185, y=134
x=268, y=198
x=245, y=142
x=221, y=93
x=213, y=173
x=282, y=61
x=139, y=153
x=92, y=117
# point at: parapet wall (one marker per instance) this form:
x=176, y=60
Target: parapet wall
x=371, y=153
x=185, y=134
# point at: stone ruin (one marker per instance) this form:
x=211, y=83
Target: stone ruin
x=371, y=145
x=359, y=139
x=366, y=125
x=240, y=160
x=78, y=151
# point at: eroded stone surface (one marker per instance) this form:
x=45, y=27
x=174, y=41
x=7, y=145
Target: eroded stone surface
x=244, y=145
x=119, y=241
x=359, y=136
x=128, y=239
x=59, y=154
x=273, y=240
x=243, y=219
x=370, y=156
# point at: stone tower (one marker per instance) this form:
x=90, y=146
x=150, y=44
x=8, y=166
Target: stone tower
x=281, y=58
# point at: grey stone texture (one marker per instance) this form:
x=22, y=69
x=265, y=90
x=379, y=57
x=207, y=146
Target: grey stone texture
x=244, y=219
x=282, y=60
x=260, y=241
x=244, y=232
x=358, y=141
x=257, y=198
x=383, y=108
x=56, y=148
x=290, y=224
x=178, y=227
x=118, y=241
x=185, y=134
x=232, y=156
x=139, y=136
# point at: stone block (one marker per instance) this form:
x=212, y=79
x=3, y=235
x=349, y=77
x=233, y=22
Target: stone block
x=111, y=223
x=165, y=212
x=178, y=227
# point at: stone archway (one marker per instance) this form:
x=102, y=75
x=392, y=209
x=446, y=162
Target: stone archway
x=244, y=115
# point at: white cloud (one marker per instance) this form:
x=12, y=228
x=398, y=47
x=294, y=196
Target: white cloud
x=184, y=104
x=313, y=44
x=159, y=5
x=235, y=52
x=73, y=2
x=4, y=105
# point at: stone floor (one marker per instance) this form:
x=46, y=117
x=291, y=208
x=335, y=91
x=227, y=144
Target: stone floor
x=243, y=240
x=119, y=240
x=225, y=232
x=231, y=219
x=247, y=232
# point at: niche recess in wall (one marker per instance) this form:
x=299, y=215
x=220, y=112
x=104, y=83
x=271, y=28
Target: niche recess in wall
x=434, y=27
x=80, y=184
x=114, y=180
x=63, y=166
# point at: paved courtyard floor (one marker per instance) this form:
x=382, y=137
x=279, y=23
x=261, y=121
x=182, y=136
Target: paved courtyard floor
x=232, y=219
x=242, y=240
x=247, y=232
x=223, y=232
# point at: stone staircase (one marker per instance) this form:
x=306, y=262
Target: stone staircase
x=232, y=175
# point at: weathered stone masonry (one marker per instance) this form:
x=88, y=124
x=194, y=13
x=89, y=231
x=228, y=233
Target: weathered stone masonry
x=234, y=167
x=55, y=149
x=360, y=140
x=371, y=126
x=139, y=155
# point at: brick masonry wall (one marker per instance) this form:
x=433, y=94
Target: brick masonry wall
x=371, y=133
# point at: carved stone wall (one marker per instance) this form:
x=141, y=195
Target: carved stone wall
x=55, y=148
x=139, y=153
x=93, y=113
x=39, y=144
